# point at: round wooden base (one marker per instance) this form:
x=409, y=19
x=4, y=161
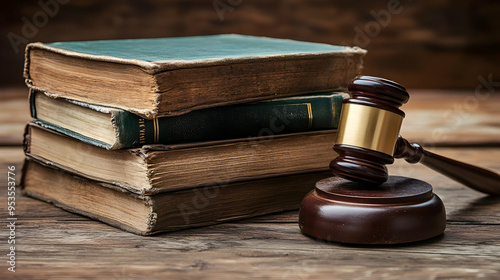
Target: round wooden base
x=399, y=211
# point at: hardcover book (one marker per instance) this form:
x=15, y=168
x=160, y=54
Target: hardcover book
x=158, y=168
x=171, y=76
x=112, y=128
x=167, y=211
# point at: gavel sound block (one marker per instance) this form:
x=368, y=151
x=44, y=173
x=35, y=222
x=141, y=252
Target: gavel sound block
x=363, y=205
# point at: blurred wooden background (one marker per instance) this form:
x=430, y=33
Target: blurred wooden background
x=419, y=43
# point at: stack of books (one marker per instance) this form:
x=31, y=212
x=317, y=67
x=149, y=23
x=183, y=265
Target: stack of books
x=154, y=135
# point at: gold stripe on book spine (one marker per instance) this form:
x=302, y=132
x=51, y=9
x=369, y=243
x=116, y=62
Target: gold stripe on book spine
x=310, y=113
x=369, y=127
x=156, y=131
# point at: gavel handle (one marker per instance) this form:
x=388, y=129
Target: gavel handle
x=472, y=176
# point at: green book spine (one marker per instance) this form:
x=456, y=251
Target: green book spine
x=280, y=116
x=273, y=117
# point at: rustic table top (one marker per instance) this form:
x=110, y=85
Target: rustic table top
x=52, y=243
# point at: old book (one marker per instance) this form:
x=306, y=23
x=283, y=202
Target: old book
x=171, y=76
x=142, y=214
x=157, y=168
x=111, y=128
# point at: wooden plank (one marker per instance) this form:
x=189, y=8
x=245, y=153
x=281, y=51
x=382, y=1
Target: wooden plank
x=52, y=243
x=11, y=156
x=447, y=117
x=259, y=251
x=14, y=114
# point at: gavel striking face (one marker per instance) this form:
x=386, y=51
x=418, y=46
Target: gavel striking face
x=368, y=139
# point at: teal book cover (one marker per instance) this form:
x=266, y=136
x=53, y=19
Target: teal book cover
x=162, y=77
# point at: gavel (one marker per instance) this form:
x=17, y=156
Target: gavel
x=368, y=139
x=362, y=204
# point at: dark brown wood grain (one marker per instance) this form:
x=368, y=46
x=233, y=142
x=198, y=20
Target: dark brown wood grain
x=422, y=44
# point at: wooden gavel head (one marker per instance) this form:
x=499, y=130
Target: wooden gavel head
x=368, y=130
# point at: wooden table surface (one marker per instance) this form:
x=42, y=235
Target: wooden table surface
x=52, y=243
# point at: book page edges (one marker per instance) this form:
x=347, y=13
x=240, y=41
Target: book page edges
x=154, y=190
x=146, y=113
x=146, y=151
x=149, y=201
x=147, y=66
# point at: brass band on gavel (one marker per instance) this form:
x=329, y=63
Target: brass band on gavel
x=369, y=127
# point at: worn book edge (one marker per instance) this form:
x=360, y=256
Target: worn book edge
x=152, y=223
x=146, y=150
x=148, y=200
x=166, y=65
x=107, y=110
